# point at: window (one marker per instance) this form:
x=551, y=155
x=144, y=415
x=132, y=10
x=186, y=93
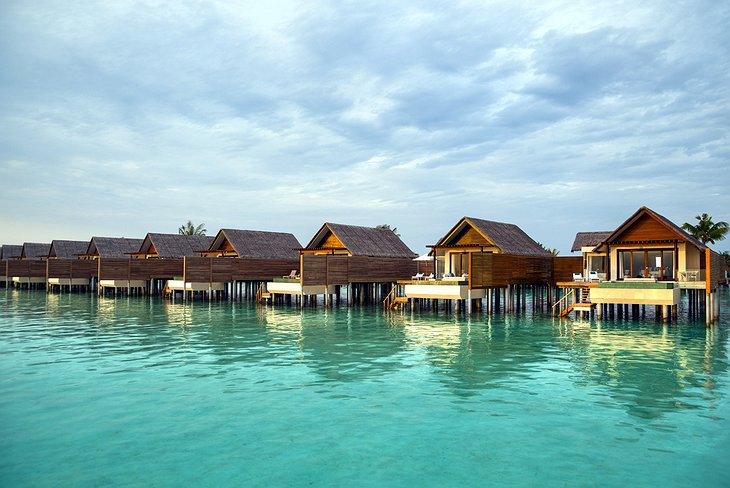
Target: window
x=653, y=263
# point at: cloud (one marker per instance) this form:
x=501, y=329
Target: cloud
x=559, y=116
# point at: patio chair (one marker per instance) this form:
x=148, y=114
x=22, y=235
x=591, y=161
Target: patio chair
x=578, y=277
x=418, y=276
x=292, y=275
x=593, y=276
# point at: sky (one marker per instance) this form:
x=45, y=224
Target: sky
x=122, y=118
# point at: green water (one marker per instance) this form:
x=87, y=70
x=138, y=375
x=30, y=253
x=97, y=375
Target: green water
x=140, y=392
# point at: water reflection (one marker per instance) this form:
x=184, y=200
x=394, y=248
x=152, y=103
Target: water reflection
x=345, y=345
x=471, y=356
x=647, y=369
x=651, y=370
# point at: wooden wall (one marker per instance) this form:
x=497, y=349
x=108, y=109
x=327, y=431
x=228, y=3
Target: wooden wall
x=339, y=270
x=71, y=268
x=148, y=269
x=224, y=270
x=499, y=270
x=717, y=269
x=565, y=266
x=26, y=268
x=425, y=267
x=139, y=269
x=646, y=228
x=114, y=268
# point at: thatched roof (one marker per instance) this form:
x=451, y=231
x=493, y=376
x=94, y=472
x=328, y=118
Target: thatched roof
x=681, y=233
x=364, y=241
x=35, y=250
x=10, y=251
x=509, y=238
x=592, y=239
x=175, y=245
x=258, y=243
x=112, y=247
x=67, y=249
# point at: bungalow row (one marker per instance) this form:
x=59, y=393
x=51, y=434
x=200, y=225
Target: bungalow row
x=159, y=263
x=647, y=260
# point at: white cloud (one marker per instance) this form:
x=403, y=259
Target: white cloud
x=281, y=115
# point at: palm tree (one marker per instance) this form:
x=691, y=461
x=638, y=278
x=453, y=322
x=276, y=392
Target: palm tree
x=191, y=230
x=706, y=230
x=554, y=251
x=387, y=226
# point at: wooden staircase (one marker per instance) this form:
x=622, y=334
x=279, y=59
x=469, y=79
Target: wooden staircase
x=393, y=301
x=166, y=291
x=262, y=295
x=581, y=302
x=399, y=302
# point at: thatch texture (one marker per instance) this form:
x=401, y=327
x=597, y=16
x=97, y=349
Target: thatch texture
x=112, y=247
x=35, y=250
x=508, y=237
x=175, y=245
x=67, y=249
x=10, y=251
x=258, y=244
x=586, y=239
x=365, y=241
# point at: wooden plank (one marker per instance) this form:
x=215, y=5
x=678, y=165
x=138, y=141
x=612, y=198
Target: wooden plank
x=314, y=269
x=197, y=269
x=147, y=269
x=18, y=267
x=500, y=270
x=114, y=268
x=646, y=229
x=565, y=266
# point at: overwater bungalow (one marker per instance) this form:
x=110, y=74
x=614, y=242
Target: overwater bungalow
x=66, y=269
x=29, y=269
x=112, y=255
x=649, y=260
x=161, y=257
x=238, y=261
x=479, y=259
x=8, y=252
x=594, y=263
x=365, y=260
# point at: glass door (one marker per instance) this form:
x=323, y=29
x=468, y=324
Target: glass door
x=653, y=263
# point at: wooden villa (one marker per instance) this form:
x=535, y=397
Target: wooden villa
x=66, y=269
x=365, y=260
x=478, y=259
x=8, y=252
x=238, y=262
x=648, y=260
x=160, y=258
x=112, y=255
x=594, y=263
x=29, y=269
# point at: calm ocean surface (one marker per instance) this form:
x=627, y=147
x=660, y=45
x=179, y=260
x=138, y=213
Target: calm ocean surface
x=141, y=392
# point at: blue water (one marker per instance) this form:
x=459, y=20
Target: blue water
x=141, y=392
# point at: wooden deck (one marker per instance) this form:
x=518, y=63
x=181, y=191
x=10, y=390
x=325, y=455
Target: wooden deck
x=576, y=284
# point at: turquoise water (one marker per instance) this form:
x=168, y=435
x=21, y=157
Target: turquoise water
x=140, y=392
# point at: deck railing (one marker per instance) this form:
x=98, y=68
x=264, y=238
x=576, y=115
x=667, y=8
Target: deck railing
x=390, y=297
x=563, y=301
